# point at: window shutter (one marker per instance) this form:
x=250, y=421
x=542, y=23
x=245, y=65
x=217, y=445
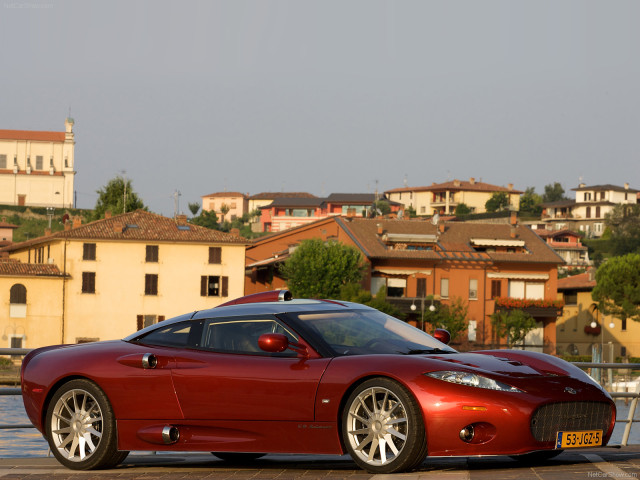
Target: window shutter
x=203, y=286
x=225, y=286
x=139, y=321
x=215, y=255
x=160, y=318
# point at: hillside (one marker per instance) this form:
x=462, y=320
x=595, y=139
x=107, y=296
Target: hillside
x=32, y=221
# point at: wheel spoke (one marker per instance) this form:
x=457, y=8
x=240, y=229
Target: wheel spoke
x=377, y=426
x=396, y=434
x=76, y=425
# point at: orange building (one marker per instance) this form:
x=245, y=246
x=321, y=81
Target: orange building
x=486, y=265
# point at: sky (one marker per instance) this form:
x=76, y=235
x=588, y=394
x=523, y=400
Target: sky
x=327, y=96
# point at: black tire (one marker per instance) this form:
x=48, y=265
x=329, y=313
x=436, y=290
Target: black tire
x=235, y=457
x=537, y=457
x=81, y=428
x=382, y=427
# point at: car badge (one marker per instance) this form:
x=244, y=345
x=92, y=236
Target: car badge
x=570, y=390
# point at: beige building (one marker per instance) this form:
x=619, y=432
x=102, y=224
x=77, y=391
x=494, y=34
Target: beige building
x=227, y=205
x=582, y=327
x=443, y=198
x=37, y=168
x=588, y=211
x=128, y=271
x=30, y=304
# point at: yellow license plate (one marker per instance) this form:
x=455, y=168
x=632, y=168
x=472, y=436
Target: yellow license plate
x=586, y=438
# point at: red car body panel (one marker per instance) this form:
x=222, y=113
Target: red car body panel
x=260, y=403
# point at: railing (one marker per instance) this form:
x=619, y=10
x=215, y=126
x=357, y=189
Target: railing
x=629, y=421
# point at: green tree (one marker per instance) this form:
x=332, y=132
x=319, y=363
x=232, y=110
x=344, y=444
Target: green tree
x=353, y=292
x=530, y=203
x=497, y=201
x=462, y=209
x=318, y=270
x=117, y=196
x=207, y=218
x=623, y=223
x=553, y=193
x=617, y=289
x=224, y=209
x=512, y=325
x=452, y=317
x=383, y=207
x=410, y=212
x=193, y=208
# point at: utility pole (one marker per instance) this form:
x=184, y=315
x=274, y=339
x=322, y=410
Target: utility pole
x=176, y=203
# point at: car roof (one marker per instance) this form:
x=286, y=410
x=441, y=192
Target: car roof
x=258, y=308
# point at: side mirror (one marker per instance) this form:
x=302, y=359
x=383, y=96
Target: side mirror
x=442, y=335
x=273, y=342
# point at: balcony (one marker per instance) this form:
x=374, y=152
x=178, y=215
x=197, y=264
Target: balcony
x=535, y=308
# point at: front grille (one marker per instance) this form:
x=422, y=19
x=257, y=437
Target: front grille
x=554, y=417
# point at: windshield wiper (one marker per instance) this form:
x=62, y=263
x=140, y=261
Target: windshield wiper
x=427, y=350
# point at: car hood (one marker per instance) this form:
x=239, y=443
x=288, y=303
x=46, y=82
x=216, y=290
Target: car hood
x=510, y=363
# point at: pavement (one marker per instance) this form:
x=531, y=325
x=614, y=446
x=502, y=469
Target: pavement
x=622, y=463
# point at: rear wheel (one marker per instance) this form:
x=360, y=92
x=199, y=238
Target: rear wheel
x=81, y=428
x=382, y=427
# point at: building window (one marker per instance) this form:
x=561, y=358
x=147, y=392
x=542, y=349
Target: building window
x=151, y=253
x=623, y=326
x=39, y=162
x=496, y=288
x=151, y=284
x=215, y=255
x=421, y=287
x=473, y=289
x=528, y=290
x=3, y=161
x=18, y=294
x=88, y=282
x=214, y=286
x=571, y=298
x=597, y=212
x=143, y=321
x=473, y=327
x=88, y=251
x=623, y=351
x=444, y=287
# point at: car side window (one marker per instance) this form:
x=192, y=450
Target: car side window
x=241, y=335
x=183, y=334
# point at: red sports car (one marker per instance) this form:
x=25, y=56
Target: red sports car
x=266, y=374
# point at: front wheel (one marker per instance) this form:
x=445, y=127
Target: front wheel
x=382, y=427
x=81, y=428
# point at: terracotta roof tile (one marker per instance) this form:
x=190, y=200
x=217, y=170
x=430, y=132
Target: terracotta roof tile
x=457, y=185
x=225, y=194
x=456, y=238
x=273, y=195
x=581, y=281
x=32, y=135
x=14, y=267
x=138, y=226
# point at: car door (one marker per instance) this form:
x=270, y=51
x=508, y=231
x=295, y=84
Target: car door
x=228, y=377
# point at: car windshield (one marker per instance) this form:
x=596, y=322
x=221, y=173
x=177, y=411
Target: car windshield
x=364, y=332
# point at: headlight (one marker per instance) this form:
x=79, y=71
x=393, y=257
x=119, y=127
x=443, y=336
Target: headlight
x=472, y=380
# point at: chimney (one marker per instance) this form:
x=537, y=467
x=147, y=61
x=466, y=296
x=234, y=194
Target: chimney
x=181, y=219
x=512, y=233
x=441, y=227
x=582, y=185
x=456, y=183
x=472, y=181
x=67, y=226
x=235, y=231
x=592, y=273
x=510, y=186
x=380, y=229
x=626, y=185
x=118, y=227
x=107, y=214
x=77, y=221
x=47, y=231
x=513, y=219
